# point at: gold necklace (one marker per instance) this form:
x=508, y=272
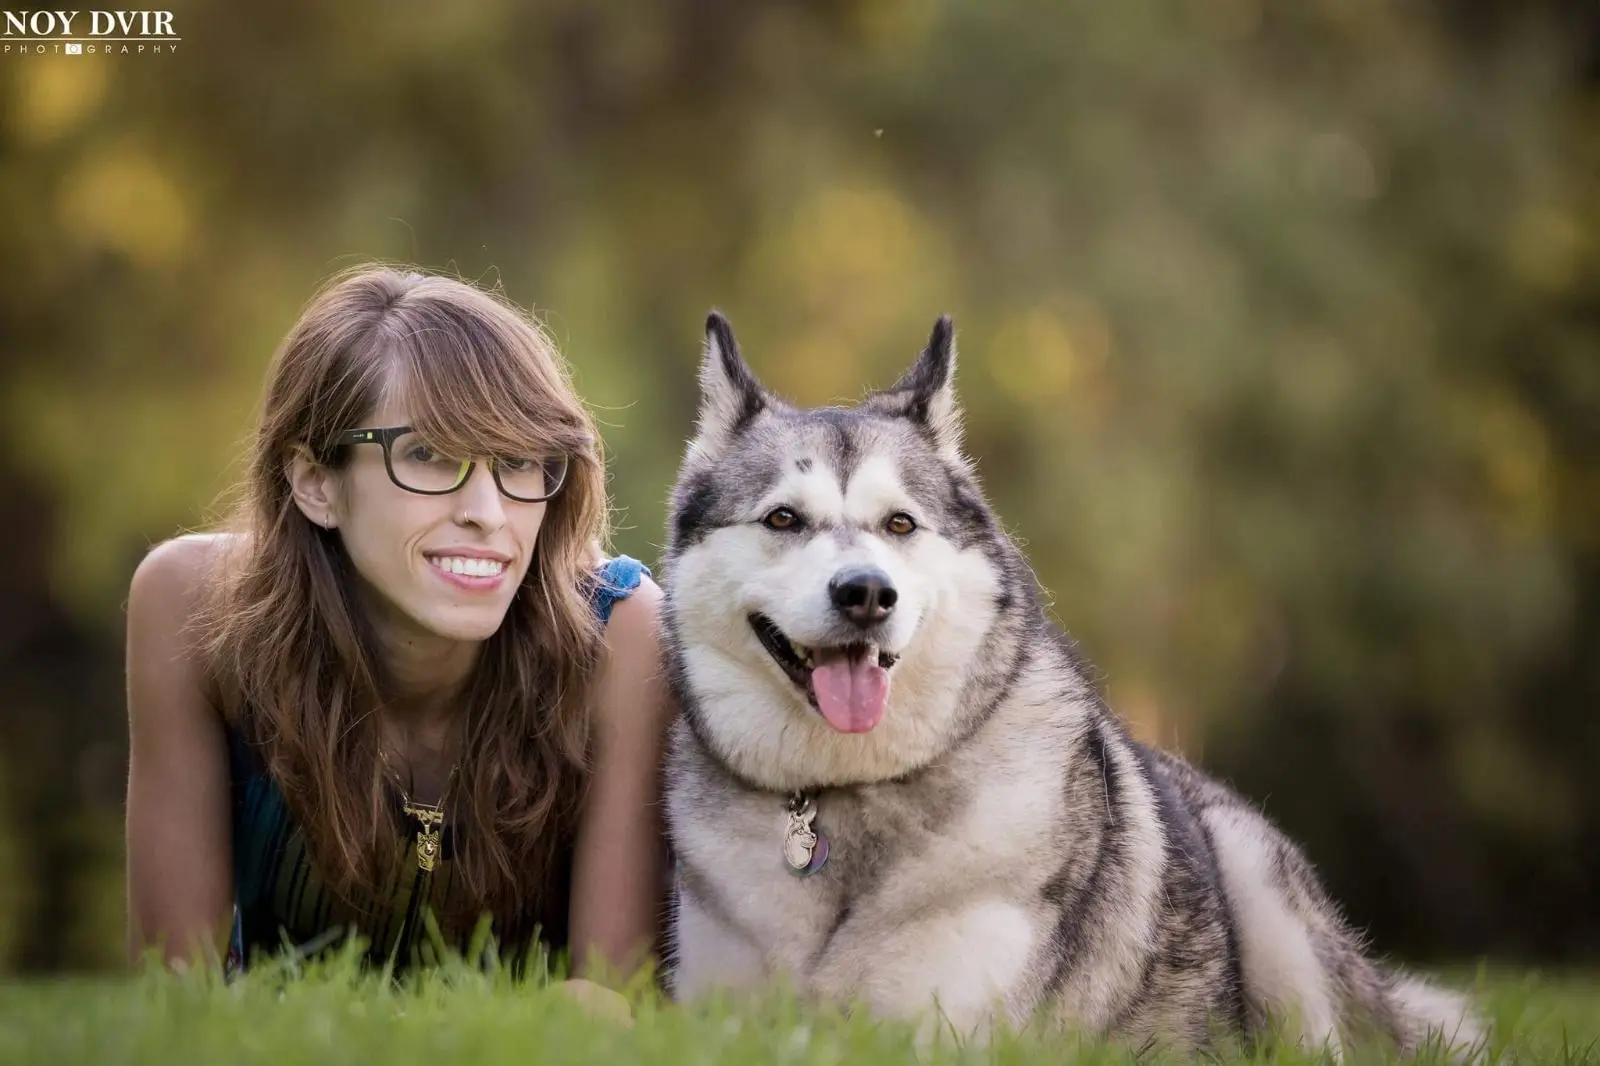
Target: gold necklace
x=428, y=816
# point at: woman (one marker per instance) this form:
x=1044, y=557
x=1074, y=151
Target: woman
x=404, y=681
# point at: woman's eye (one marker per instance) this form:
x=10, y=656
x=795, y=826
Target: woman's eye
x=518, y=466
x=900, y=524
x=420, y=453
x=781, y=518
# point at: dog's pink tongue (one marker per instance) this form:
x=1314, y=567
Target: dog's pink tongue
x=851, y=689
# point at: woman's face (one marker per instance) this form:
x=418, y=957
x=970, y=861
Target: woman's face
x=447, y=564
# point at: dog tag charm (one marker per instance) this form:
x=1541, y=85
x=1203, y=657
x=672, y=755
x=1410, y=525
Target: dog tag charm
x=804, y=849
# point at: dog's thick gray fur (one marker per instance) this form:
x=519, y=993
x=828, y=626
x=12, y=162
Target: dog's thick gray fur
x=999, y=847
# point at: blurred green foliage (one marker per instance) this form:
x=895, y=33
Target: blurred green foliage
x=1279, y=335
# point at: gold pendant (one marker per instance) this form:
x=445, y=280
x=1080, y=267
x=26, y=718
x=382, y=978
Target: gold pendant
x=429, y=844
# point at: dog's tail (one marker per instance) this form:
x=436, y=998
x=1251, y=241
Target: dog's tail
x=1430, y=1016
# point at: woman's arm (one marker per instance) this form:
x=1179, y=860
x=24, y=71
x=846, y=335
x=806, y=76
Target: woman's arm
x=619, y=873
x=180, y=880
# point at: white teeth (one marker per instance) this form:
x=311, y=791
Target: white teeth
x=468, y=567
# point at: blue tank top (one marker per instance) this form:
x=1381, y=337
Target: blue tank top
x=280, y=901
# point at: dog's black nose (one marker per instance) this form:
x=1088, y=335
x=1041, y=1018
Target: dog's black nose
x=863, y=594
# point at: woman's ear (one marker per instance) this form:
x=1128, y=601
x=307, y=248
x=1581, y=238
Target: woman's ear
x=314, y=487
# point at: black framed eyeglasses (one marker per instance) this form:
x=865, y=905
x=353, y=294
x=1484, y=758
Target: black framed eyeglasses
x=416, y=466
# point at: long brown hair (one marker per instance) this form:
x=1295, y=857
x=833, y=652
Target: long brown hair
x=294, y=659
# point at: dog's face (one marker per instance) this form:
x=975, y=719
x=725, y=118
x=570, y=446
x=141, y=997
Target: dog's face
x=832, y=575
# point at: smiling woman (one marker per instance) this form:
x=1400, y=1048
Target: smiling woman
x=404, y=680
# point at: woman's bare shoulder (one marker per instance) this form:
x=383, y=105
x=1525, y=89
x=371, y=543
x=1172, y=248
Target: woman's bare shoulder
x=170, y=590
x=176, y=570
x=631, y=676
x=633, y=632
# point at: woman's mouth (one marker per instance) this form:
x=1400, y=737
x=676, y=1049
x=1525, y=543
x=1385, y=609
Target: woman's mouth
x=472, y=573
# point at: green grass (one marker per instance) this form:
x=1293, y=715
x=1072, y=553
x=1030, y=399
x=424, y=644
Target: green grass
x=333, y=1013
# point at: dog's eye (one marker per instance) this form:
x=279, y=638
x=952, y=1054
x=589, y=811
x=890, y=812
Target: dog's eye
x=781, y=518
x=900, y=524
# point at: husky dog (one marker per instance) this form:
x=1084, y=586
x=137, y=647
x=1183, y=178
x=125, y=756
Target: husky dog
x=893, y=782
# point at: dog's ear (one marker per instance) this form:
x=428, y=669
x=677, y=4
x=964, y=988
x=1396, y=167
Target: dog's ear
x=730, y=395
x=927, y=393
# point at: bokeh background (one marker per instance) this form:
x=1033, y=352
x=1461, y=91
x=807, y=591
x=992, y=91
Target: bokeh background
x=1279, y=327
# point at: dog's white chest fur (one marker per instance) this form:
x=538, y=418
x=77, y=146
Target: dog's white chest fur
x=923, y=919
x=751, y=908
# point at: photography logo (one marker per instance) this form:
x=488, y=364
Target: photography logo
x=88, y=33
